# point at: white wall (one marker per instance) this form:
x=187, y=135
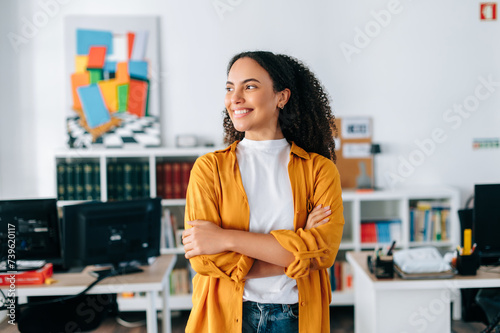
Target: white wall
x=427, y=58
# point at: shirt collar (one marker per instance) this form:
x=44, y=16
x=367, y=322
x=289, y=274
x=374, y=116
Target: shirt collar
x=296, y=150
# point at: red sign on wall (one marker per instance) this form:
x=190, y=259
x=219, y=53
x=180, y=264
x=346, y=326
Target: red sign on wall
x=488, y=11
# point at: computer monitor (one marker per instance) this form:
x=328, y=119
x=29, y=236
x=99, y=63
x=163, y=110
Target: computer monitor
x=487, y=222
x=32, y=226
x=116, y=233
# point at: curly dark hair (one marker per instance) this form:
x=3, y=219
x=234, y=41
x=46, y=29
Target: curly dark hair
x=307, y=118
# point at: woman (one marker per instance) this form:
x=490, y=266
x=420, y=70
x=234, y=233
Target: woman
x=264, y=216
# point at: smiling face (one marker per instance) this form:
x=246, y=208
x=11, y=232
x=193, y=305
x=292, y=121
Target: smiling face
x=252, y=102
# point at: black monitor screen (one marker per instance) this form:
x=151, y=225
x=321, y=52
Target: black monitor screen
x=487, y=221
x=34, y=226
x=111, y=232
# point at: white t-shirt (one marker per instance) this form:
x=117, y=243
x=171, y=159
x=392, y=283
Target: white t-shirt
x=264, y=173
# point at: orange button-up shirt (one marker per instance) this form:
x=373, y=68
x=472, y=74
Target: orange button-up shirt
x=215, y=193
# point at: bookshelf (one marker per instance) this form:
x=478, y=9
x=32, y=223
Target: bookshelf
x=360, y=208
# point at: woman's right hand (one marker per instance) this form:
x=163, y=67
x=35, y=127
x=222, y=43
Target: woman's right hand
x=318, y=216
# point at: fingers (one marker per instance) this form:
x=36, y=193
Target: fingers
x=318, y=216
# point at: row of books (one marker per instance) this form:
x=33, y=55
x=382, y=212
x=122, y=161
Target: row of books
x=171, y=228
x=181, y=280
x=429, y=221
x=128, y=180
x=341, y=277
x=380, y=231
x=172, y=179
x=78, y=181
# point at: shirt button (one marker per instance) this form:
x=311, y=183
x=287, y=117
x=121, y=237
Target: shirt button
x=237, y=320
x=302, y=303
x=205, y=262
x=326, y=251
x=237, y=288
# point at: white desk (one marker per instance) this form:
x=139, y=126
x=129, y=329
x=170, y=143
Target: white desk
x=155, y=278
x=404, y=306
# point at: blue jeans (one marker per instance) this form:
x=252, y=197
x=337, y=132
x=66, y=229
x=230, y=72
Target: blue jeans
x=270, y=318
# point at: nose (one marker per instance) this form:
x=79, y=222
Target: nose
x=237, y=97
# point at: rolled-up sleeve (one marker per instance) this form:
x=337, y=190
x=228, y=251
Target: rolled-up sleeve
x=202, y=202
x=317, y=248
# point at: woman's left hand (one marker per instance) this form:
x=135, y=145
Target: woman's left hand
x=204, y=237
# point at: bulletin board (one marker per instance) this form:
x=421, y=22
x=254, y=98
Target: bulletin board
x=353, y=145
x=112, y=69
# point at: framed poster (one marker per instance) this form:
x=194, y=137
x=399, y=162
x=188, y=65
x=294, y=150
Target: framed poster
x=112, y=66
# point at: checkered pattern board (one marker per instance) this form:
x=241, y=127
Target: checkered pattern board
x=132, y=132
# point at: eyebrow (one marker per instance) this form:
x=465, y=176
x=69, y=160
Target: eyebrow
x=244, y=81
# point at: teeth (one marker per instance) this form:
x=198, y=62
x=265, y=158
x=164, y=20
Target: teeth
x=241, y=111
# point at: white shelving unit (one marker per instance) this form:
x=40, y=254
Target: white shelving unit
x=395, y=204
x=357, y=207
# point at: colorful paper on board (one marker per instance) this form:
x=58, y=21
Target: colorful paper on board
x=138, y=69
x=81, y=62
x=137, y=97
x=93, y=105
x=97, y=56
x=78, y=80
x=86, y=38
x=109, y=91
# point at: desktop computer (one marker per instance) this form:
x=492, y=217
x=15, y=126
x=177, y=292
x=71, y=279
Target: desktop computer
x=486, y=222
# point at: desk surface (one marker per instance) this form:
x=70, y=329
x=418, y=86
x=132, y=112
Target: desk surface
x=483, y=279
x=152, y=279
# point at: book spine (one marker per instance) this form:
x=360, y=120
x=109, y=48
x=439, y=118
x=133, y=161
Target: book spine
x=97, y=180
x=119, y=183
x=160, y=182
x=146, y=189
x=79, y=194
x=177, y=179
x=168, y=185
x=61, y=181
x=88, y=181
x=111, y=181
x=70, y=182
x=128, y=181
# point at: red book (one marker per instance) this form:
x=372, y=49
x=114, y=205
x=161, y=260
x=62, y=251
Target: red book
x=159, y=180
x=177, y=179
x=168, y=184
x=185, y=171
x=368, y=232
x=27, y=277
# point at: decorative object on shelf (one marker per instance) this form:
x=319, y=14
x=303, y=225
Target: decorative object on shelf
x=186, y=141
x=113, y=65
x=374, y=150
